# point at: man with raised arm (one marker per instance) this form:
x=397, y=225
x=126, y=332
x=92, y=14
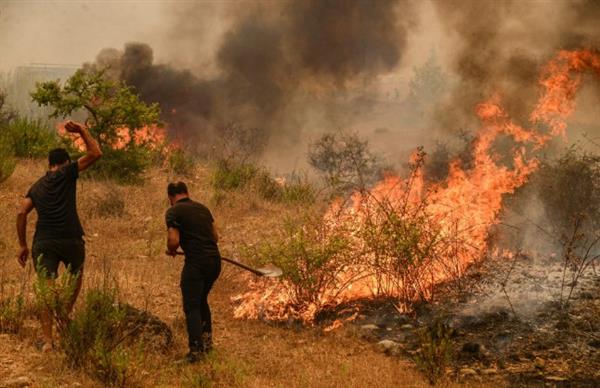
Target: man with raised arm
x=58, y=234
x=191, y=226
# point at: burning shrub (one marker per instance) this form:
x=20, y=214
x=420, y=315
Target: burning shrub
x=116, y=117
x=314, y=260
x=345, y=161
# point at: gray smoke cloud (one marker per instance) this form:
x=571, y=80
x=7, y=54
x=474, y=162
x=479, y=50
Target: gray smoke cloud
x=273, y=61
x=501, y=46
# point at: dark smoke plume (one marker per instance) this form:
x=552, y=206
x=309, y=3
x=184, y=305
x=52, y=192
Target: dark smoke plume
x=503, y=44
x=271, y=57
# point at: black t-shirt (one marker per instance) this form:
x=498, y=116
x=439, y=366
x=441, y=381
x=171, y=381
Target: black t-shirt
x=54, y=197
x=195, y=224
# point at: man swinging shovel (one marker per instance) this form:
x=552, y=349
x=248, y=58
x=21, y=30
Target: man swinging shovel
x=191, y=226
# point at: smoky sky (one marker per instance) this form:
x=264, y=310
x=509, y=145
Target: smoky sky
x=266, y=58
x=501, y=47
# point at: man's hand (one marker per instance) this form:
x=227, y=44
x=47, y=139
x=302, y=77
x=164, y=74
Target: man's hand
x=22, y=256
x=74, y=127
x=171, y=253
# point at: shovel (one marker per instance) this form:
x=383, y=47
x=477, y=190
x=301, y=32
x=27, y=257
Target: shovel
x=270, y=271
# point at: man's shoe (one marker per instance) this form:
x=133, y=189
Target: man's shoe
x=190, y=358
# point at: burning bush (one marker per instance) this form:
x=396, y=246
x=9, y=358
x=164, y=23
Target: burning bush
x=412, y=234
x=314, y=260
x=122, y=124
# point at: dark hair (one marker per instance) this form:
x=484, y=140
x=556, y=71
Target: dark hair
x=58, y=156
x=176, y=188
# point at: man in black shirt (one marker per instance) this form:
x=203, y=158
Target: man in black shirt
x=58, y=233
x=191, y=226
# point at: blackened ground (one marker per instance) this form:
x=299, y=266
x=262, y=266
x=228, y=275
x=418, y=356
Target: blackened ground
x=521, y=337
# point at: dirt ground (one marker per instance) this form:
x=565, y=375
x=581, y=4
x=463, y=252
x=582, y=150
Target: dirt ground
x=127, y=249
x=125, y=243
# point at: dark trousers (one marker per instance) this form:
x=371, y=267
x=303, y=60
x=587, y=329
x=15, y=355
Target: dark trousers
x=196, y=283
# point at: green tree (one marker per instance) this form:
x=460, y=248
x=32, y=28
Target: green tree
x=109, y=105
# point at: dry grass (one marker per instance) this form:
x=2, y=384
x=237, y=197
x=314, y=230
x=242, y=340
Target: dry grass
x=128, y=251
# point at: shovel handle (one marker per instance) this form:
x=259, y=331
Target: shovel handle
x=237, y=263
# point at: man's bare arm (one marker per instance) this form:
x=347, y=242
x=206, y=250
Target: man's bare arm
x=25, y=208
x=172, y=241
x=93, y=151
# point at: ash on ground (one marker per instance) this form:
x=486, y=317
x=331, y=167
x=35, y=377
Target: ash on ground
x=508, y=322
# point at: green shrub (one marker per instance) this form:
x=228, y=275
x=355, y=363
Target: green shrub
x=230, y=175
x=435, y=352
x=299, y=190
x=179, y=162
x=296, y=189
x=12, y=314
x=126, y=166
x=93, y=339
x=267, y=187
x=31, y=138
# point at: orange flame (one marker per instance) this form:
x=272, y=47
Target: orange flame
x=153, y=137
x=468, y=202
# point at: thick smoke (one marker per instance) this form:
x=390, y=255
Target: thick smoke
x=501, y=47
x=273, y=61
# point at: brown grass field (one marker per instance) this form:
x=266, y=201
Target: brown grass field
x=128, y=250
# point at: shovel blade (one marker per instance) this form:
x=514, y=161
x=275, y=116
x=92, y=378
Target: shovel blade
x=270, y=271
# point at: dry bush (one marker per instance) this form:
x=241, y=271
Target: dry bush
x=569, y=187
x=345, y=161
x=580, y=251
x=435, y=351
x=93, y=339
x=109, y=204
x=12, y=314
x=239, y=144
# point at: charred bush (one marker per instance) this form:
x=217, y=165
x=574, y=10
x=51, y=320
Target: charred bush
x=569, y=187
x=345, y=161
